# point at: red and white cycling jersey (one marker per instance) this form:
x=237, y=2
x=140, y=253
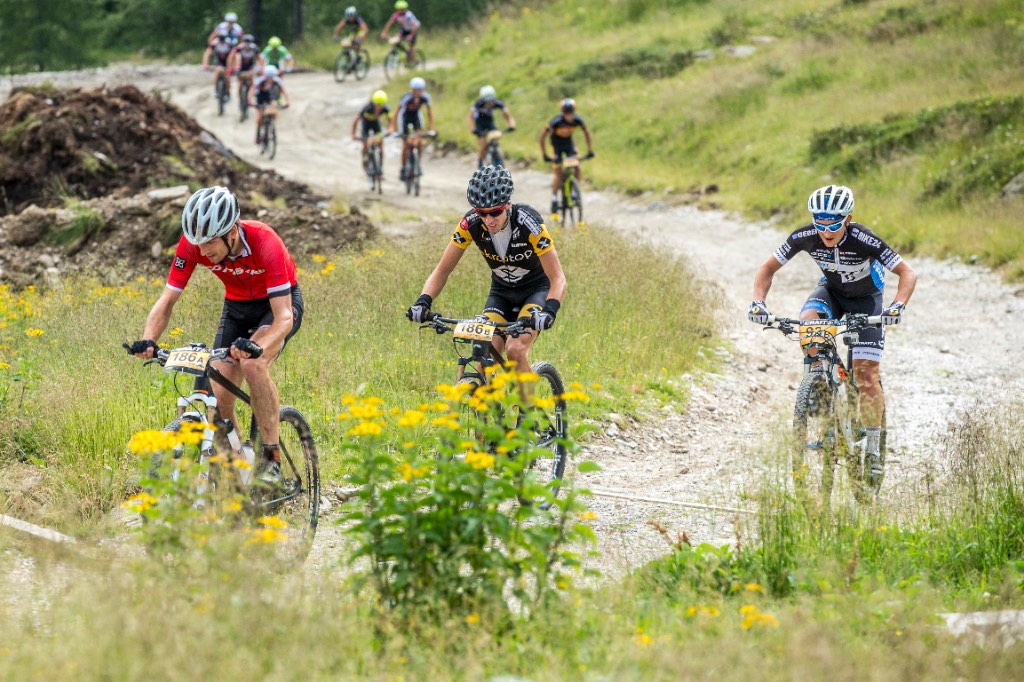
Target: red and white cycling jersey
x=264, y=269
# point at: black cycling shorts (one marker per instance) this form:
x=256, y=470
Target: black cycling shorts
x=832, y=306
x=412, y=119
x=482, y=129
x=243, y=318
x=370, y=127
x=564, y=150
x=505, y=303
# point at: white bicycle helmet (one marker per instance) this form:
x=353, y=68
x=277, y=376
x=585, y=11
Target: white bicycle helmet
x=834, y=200
x=270, y=71
x=350, y=12
x=417, y=83
x=230, y=17
x=487, y=93
x=209, y=213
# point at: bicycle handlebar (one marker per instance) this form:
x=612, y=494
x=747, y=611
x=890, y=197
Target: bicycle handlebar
x=441, y=324
x=852, y=322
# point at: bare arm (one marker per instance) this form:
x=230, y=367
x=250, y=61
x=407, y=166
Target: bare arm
x=590, y=142
x=439, y=277
x=509, y=118
x=553, y=269
x=543, y=141
x=430, y=117
x=159, y=317
x=763, y=278
x=908, y=281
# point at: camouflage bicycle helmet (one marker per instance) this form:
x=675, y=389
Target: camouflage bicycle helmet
x=834, y=200
x=490, y=186
x=209, y=213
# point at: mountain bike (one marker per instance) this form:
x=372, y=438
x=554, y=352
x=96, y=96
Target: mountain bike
x=494, y=153
x=244, y=83
x=477, y=367
x=221, y=91
x=351, y=59
x=826, y=420
x=571, y=202
x=297, y=500
x=266, y=137
x=373, y=162
x=398, y=58
x=412, y=169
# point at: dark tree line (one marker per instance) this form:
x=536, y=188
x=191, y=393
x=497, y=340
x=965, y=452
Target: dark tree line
x=40, y=35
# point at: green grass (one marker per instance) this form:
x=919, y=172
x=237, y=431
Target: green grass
x=85, y=398
x=891, y=97
x=801, y=597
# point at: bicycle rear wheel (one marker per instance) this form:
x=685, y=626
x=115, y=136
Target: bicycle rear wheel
x=410, y=171
x=815, y=429
x=421, y=60
x=342, y=65
x=417, y=173
x=496, y=155
x=297, y=501
x=549, y=427
x=362, y=66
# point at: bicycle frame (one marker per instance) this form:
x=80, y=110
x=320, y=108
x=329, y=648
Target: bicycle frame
x=837, y=399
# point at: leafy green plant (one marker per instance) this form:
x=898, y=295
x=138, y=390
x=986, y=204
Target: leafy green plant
x=436, y=517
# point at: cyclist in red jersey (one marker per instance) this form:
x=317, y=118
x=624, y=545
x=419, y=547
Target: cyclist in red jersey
x=263, y=306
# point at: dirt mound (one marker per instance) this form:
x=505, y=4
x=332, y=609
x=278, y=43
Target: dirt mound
x=78, y=170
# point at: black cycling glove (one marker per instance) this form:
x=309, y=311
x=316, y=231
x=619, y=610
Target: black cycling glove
x=419, y=310
x=248, y=346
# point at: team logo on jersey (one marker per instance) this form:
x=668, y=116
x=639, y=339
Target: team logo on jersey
x=510, y=273
x=458, y=238
x=543, y=243
x=528, y=219
x=179, y=262
x=870, y=241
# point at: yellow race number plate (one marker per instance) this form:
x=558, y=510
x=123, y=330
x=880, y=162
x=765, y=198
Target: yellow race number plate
x=474, y=330
x=187, y=360
x=817, y=333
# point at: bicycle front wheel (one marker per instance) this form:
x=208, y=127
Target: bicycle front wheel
x=548, y=424
x=421, y=60
x=342, y=65
x=391, y=64
x=243, y=101
x=297, y=501
x=816, y=432
x=271, y=138
x=222, y=95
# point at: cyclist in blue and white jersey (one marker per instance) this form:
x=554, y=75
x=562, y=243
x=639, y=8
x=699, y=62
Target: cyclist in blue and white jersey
x=853, y=260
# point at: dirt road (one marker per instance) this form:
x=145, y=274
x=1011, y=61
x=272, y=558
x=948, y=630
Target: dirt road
x=933, y=370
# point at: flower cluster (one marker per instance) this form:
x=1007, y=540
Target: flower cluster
x=752, y=617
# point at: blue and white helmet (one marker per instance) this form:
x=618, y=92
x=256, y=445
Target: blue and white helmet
x=209, y=213
x=270, y=71
x=834, y=200
x=417, y=83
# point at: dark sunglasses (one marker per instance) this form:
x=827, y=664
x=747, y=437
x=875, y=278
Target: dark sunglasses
x=497, y=210
x=826, y=222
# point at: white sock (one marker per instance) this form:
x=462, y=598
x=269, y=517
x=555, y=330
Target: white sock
x=556, y=198
x=873, y=444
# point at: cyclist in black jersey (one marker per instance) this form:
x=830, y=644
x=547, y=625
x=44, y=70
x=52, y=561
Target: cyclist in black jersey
x=527, y=280
x=853, y=260
x=481, y=118
x=560, y=130
x=369, y=120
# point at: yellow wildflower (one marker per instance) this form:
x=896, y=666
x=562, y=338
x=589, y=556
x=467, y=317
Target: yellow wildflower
x=317, y=258
x=366, y=428
x=544, y=403
x=448, y=421
x=412, y=418
x=273, y=522
x=34, y=332
x=177, y=331
x=265, y=536
x=473, y=619
x=479, y=460
x=327, y=269
x=753, y=587
x=4, y=365
x=148, y=442
x=409, y=472
x=587, y=515
x=139, y=502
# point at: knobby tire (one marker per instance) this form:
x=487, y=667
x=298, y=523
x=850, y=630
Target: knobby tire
x=816, y=433
x=550, y=432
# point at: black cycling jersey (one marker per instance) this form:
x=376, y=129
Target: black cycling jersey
x=370, y=113
x=853, y=267
x=483, y=113
x=562, y=130
x=221, y=50
x=247, y=53
x=527, y=242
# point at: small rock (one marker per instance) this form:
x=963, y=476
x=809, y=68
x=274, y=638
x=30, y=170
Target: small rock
x=740, y=50
x=156, y=249
x=168, y=193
